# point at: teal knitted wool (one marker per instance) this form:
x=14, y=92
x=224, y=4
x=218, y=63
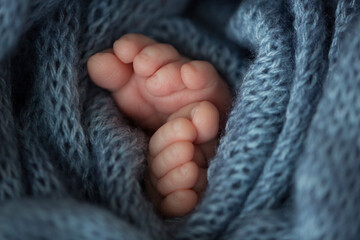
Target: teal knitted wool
x=287, y=166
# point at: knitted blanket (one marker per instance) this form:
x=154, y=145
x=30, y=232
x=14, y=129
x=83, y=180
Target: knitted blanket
x=287, y=166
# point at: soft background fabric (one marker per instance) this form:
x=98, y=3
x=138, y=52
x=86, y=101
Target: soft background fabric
x=287, y=167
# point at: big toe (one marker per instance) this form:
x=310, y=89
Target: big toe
x=197, y=75
x=202, y=77
x=204, y=117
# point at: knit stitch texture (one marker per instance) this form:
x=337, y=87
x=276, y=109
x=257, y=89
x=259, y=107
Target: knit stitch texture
x=287, y=166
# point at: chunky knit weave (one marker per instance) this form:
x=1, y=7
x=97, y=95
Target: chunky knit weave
x=287, y=167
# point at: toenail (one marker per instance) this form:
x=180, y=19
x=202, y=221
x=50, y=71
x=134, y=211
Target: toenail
x=194, y=111
x=191, y=66
x=184, y=170
x=145, y=57
x=177, y=126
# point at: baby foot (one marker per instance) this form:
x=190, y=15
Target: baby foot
x=178, y=153
x=154, y=85
x=150, y=80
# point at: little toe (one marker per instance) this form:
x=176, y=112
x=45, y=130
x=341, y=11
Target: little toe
x=171, y=157
x=202, y=76
x=182, y=177
x=128, y=46
x=107, y=71
x=178, y=203
x=199, y=74
x=179, y=129
x=153, y=57
x=204, y=117
x=166, y=80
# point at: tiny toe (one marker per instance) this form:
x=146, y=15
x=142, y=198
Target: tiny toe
x=178, y=203
x=107, y=71
x=171, y=157
x=128, y=46
x=179, y=129
x=199, y=74
x=205, y=118
x=154, y=56
x=166, y=80
x=182, y=177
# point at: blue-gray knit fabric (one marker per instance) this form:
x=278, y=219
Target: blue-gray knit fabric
x=288, y=163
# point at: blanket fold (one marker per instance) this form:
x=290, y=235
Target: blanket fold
x=287, y=166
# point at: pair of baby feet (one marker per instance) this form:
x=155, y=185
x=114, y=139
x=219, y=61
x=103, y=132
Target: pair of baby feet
x=179, y=101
